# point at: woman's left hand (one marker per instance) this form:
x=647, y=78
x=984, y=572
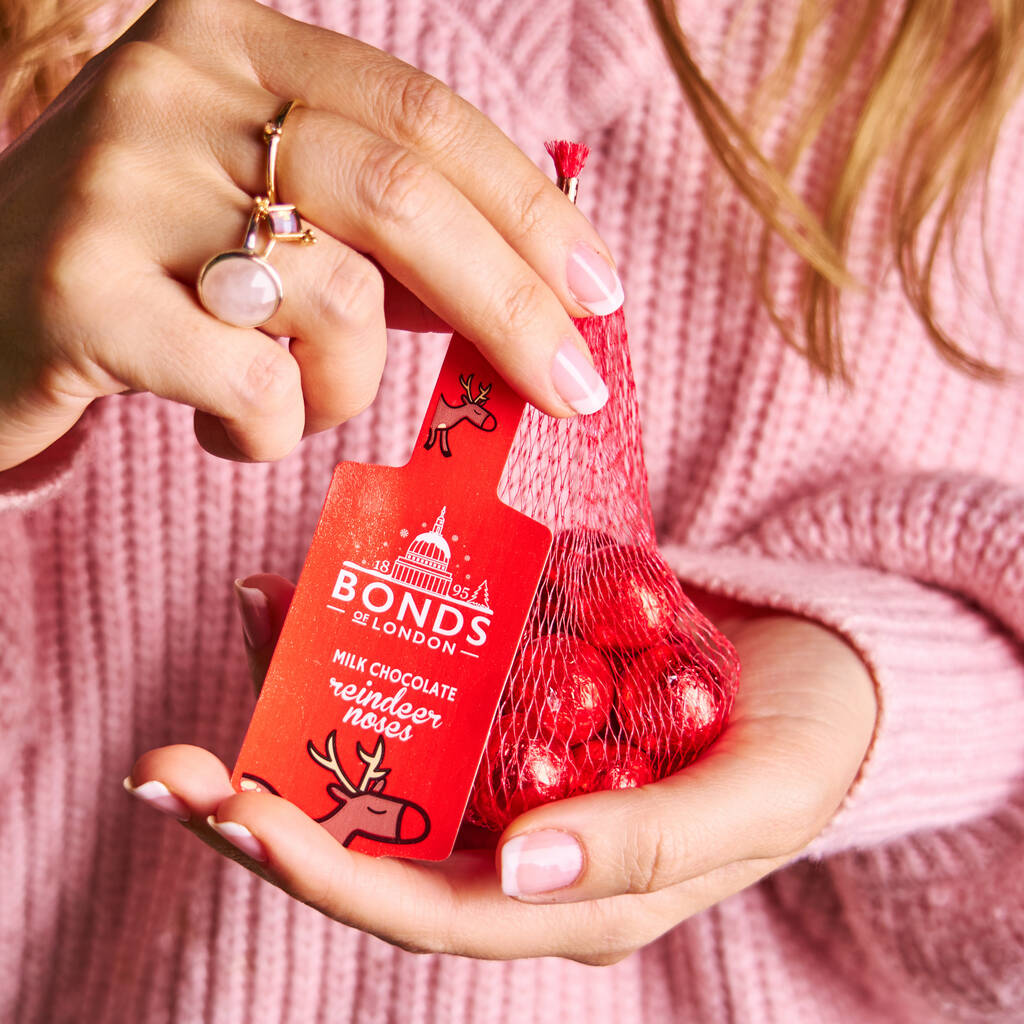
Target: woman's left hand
x=644, y=859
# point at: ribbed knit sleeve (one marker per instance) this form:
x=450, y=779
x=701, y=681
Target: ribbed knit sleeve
x=39, y=479
x=924, y=576
x=17, y=626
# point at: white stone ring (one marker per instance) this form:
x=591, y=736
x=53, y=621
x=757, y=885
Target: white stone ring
x=239, y=286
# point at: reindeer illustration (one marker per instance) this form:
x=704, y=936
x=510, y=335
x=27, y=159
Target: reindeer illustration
x=447, y=416
x=362, y=810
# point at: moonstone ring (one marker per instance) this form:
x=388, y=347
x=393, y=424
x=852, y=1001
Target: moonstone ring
x=239, y=286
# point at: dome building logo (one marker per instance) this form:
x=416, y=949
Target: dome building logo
x=425, y=564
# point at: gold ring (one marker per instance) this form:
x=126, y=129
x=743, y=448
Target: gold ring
x=239, y=286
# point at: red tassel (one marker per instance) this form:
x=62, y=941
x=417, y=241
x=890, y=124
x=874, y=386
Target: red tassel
x=569, y=157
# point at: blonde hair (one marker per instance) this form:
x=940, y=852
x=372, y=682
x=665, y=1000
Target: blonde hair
x=933, y=105
x=43, y=43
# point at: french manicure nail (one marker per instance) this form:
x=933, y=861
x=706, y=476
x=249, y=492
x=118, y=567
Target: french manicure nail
x=255, y=609
x=577, y=381
x=592, y=281
x=240, y=837
x=540, y=862
x=156, y=795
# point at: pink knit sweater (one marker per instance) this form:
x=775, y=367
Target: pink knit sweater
x=893, y=512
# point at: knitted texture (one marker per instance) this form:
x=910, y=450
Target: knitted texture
x=894, y=513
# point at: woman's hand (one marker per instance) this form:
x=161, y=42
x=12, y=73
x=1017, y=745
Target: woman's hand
x=632, y=864
x=146, y=166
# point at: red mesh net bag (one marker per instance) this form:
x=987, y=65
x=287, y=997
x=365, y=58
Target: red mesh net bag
x=619, y=680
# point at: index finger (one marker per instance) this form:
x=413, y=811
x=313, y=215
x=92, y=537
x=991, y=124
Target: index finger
x=384, y=200
x=421, y=113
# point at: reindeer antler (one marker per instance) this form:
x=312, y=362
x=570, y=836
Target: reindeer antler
x=372, y=773
x=330, y=762
x=373, y=777
x=481, y=392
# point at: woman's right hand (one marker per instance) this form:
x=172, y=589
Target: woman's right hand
x=146, y=165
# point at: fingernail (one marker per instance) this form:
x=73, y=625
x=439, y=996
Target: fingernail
x=240, y=837
x=255, y=609
x=540, y=862
x=159, y=797
x=577, y=381
x=592, y=281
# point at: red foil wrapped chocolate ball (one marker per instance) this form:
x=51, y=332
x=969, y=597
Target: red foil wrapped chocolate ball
x=563, y=686
x=668, y=704
x=607, y=764
x=520, y=770
x=564, y=565
x=563, y=579
x=631, y=602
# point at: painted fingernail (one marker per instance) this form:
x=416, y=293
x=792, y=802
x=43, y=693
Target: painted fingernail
x=540, y=862
x=156, y=795
x=577, y=381
x=255, y=609
x=240, y=837
x=592, y=281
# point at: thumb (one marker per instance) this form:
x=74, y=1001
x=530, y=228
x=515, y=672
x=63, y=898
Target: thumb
x=724, y=808
x=33, y=423
x=263, y=601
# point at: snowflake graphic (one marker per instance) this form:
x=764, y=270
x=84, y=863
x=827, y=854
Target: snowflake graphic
x=455, y=536
x=468, y=576
x=403, y=532
x=465, y=558
x=423, y=524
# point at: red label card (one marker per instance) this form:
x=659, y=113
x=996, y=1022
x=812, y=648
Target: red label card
x=403, y=627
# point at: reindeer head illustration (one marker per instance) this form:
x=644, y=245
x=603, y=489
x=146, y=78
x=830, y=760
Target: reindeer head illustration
x=469, y=409
x=363, y=809
x=474, y=406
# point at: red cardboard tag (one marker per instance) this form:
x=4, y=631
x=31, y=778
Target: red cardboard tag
x=403, y=627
